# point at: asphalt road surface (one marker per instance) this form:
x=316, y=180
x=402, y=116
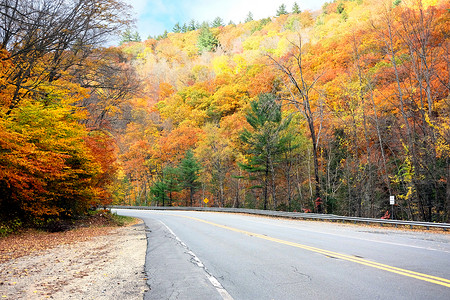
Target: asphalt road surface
x=207, y=255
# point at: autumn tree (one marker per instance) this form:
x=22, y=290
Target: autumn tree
x=216, y=156
x=111, y=80
x=417, y=94
x=48, y=170
x=291, y=152
x=51, y=165
x=48, y=39
x=104, y=151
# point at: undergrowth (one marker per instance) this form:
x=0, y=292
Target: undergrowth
x=93, y=218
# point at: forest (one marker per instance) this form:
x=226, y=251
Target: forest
x=329, y=111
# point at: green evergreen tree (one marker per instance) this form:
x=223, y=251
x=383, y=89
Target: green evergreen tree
x=161, y=36
x=188, y=174
x=218, y=22
x=249, y=17
x=159, y=191
x=177, y=28
x=340, y=8
x=165, y=185
x=136, y=37
x=192, y=25
x=296, y=8
x=129, y=36
x=171, y=176
x=126, y=36
x=265, y=142
x=282, y=10
x=207, y=42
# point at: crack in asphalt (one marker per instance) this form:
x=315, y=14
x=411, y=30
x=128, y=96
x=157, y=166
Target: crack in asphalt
x=295, y=270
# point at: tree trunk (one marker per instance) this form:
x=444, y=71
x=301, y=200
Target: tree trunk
x=266, y=184
x=191, y=196
x=447, y=196
x=300, y=98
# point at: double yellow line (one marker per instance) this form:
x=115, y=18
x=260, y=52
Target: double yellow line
x=404, y=272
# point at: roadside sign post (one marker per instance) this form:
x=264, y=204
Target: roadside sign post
x=392, y=203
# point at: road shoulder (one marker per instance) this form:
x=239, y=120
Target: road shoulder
x=103, y=267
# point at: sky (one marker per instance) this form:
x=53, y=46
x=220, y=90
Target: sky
x=155, y=16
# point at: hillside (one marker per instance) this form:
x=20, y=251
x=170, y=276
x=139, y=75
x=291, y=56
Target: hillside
x=372, y=88
x=329, y=111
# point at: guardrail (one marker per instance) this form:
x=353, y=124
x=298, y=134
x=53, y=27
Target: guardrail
x=295, y=215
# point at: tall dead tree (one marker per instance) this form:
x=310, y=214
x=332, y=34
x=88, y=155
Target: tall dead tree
x=50, y=38
x=300, y=92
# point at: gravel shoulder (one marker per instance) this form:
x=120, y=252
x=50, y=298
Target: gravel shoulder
x=108, y=266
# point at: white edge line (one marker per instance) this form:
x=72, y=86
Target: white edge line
x=225, y=295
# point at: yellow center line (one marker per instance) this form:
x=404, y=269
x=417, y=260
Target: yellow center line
x=400, y=271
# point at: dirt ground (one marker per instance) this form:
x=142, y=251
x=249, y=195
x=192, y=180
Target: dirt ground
x=86, y=263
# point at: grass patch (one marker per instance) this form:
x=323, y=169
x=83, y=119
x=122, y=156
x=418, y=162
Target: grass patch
x=122, y=220
x=93, y=218
x=9, y=227
x=107, y=218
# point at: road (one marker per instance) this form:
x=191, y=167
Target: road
x=205, y=255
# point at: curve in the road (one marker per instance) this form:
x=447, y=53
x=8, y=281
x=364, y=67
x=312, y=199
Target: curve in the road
x=421, y=276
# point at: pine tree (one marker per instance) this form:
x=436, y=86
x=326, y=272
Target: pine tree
x=159, y=191
x=207, y=42
x=340, y=8
x=188, y=174
x=218, y=22
x=192, y=25
x=128, y=36
x=184, y=29
x=177, y=28
x=171, y=175
x=136, y=37
x=296, y=8
x=249, y=17
x=282, y=10
x=265, y=142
